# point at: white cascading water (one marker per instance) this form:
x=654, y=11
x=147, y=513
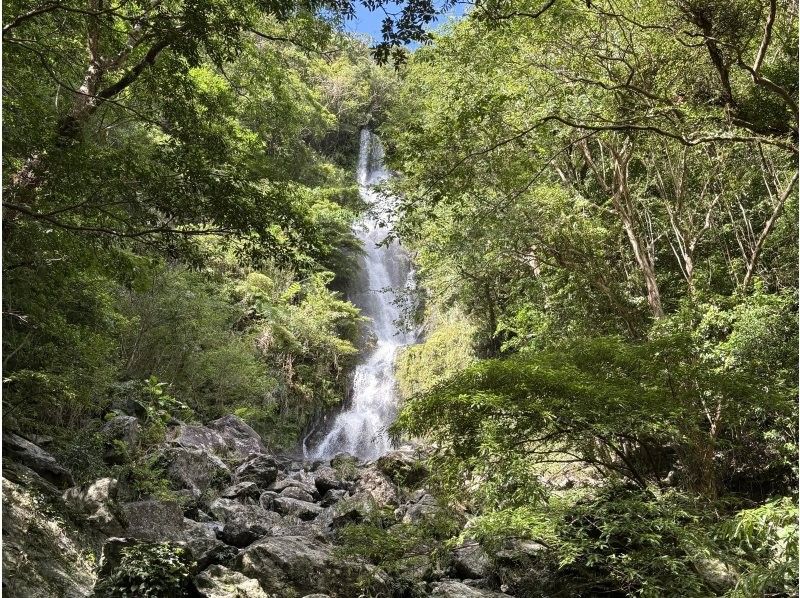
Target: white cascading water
x=360, y=430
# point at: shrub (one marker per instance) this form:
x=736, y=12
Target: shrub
x=148, y=571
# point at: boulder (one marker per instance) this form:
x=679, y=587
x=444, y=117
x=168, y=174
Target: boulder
x=242, y=491
x=346, y=517
x=96, y=502
x=220, y=582
x=344, y=460
x=240, y=438
x=261, y=469
x=470, y=561
x=153, y=520
x=37, y=459
x=295, y=508
x=201, y=540
x=332, y=497
x=300, y=564
x=374, y=487
x=297, y=493
x=120, y=435
x=194, y=469
x=42, y=556
x=297, y=479
x=240, y=535
x=345, y=463
x=198, y=437
x=456, y=589
x=516, y=551
x=326, y=478
x=124, y=399
x=240, y=521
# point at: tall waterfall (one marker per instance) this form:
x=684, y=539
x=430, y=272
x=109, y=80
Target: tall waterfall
x=385, y=269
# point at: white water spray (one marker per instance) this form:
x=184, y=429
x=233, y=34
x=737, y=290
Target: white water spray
x=385, y=269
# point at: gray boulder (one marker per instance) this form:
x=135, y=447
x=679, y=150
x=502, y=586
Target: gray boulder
x=120, y=435
x=424, y=507
x=297, y=479
x=37, y=459
x=470, y=561
x=242, y=524
x=373, y=489
x=220, y=582
x=242, y=491
x=302, y=564
x=201, y=540
x=240, y=438
x=326, y=478
x=296, y=508
x=153, y=520
x=332, y=497
x=124, y=401
x=261, y=469
x=195, y=469
x=456, y=589
x=42, y=556
x=297, y=493
x=198, y=437
x=96, y=502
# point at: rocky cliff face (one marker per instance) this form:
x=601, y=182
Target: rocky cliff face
x=245, y=523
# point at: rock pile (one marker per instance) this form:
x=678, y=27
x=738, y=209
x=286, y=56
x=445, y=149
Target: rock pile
x=254, y=524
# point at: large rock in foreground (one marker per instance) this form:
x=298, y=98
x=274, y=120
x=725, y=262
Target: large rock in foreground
x=220, y=582
x=456, y=589
x=43, y=556
x=302, y=564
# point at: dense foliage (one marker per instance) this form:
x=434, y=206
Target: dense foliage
x=179, y=195
x=601, y=201
x=607, y=191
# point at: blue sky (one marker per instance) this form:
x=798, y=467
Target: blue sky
x=370, y=22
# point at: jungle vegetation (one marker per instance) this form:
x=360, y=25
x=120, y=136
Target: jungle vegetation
x=601, y=202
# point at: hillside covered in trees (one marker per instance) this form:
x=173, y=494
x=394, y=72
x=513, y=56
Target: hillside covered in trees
x=600, y=204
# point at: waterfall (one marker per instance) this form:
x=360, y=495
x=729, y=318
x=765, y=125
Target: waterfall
x=385, y=269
